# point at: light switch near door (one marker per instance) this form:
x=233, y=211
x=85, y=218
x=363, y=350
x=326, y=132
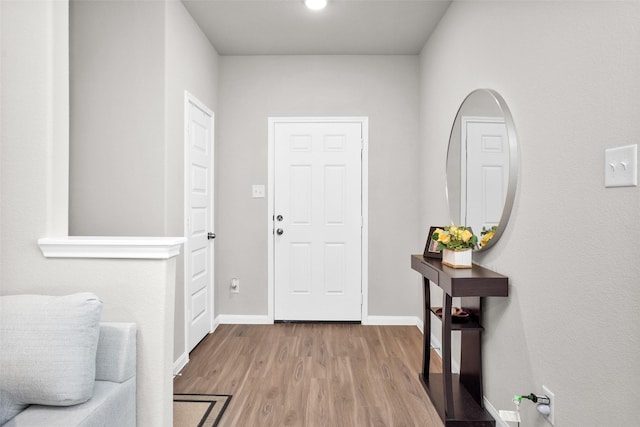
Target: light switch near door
x=621, y=166
x=257, y=191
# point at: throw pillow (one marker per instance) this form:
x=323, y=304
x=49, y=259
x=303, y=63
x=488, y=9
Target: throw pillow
x=48, y=348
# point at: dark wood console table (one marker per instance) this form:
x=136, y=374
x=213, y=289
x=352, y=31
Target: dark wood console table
x=457, y=398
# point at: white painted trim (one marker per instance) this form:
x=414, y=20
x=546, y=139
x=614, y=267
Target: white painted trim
x=111, y=247
x=392, y=320
x=189, y=98
x=364, y=121
x=57, y=121
x=216, y=323
x=179, y=364
x=365, y=218
x=185, y=215
x=494, y=413
x=182, y=361
x=270, y=212
x=243, y=319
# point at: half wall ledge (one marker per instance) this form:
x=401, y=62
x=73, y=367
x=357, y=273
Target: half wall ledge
x=111, y=247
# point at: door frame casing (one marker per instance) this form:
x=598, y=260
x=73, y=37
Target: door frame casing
x=364, y=206
x=190, y=99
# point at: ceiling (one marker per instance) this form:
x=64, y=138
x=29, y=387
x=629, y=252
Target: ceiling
x=344, y=27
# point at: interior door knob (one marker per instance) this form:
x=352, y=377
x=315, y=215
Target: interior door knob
x=279, y=231
x=211, y=236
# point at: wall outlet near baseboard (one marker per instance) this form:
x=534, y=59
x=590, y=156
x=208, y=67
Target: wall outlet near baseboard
x=235, y=286
x=551, y=418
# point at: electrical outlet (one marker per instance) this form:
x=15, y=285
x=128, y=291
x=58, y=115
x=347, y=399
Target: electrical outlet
x=551, y=418
x=235, y=286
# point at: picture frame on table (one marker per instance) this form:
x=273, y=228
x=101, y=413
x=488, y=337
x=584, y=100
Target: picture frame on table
x=431, y=246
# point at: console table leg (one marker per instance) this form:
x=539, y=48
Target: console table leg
x=471, y=365
x=446, y=355
x=426, y=328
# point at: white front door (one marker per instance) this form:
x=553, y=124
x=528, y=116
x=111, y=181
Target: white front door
x=199, y=221
x=318, y=221
x=487, y=172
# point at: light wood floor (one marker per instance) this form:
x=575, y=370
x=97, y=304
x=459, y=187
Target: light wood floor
x=313, y=375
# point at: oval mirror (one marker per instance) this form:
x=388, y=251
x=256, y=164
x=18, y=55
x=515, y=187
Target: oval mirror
x=482, y=166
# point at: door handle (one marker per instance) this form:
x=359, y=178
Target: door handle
x=211, y=236
x=279, y=231
x=279, y=218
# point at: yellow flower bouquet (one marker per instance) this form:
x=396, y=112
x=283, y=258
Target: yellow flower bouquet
x=455, y=238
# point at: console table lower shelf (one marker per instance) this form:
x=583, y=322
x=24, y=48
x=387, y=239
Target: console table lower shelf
x=466, y=411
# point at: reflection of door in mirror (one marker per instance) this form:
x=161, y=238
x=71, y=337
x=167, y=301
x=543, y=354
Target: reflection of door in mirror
x=485, y=162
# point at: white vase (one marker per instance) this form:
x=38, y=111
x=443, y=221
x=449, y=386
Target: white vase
x=457, y=259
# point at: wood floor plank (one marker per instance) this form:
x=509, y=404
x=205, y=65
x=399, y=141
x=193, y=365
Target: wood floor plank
x=308, y=375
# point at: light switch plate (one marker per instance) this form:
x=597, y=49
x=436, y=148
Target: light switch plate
x=621, y=166
x=257, y=191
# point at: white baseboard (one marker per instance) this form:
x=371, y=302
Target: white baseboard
x=179, y=364
x=182, y=361
x=216, y=323
x=494, y=413
x=391, y=320
x=241, y=319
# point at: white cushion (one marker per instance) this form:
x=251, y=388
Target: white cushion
x=116, y=355
x=112, y=405
x=48, y=348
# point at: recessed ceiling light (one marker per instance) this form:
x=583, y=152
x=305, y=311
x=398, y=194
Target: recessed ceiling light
x=315, y=4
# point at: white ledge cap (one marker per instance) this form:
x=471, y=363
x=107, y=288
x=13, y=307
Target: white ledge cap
x=111, y=247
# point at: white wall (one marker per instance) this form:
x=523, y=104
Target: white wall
x=34, y=203
x=117, y=160
x=569, y=73
x=384, y=88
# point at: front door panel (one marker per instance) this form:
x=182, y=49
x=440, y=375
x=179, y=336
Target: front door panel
x=317, y=223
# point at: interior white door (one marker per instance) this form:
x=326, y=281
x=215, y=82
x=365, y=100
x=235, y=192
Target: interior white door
x=318, y=221
x=199, y=253
x=487, y=172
